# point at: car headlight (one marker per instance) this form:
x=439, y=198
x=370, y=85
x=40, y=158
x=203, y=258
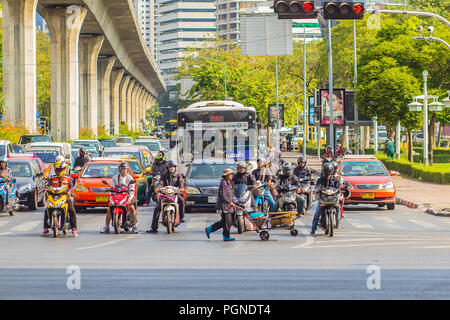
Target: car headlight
x=26, y=188
x=81, y=188
x=192, y=190
x=388, y=185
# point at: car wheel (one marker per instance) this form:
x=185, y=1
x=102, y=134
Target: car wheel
x=32, y=201
x=391, y=206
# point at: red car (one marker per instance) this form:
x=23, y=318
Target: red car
x=370, y=181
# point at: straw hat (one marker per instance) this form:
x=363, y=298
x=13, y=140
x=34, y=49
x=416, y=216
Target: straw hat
x=227, y=172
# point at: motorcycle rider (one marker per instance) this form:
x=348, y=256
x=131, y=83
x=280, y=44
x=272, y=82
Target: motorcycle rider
x=263, y=174
x=328, y=179
x=82, y=158
x=287, y=177
x=328, y=154
x=120, y=180
x=60, y=171
x=172, y=178
x=6, y=174
x=302, y=171
x=160, y=168
x=242, y=176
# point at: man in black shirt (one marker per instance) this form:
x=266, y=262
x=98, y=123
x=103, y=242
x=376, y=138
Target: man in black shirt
x=82, y=158
x=242, y=176
x=287, y=177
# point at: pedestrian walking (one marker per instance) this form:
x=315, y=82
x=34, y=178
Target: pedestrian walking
x=390, y=149
x=225, y=206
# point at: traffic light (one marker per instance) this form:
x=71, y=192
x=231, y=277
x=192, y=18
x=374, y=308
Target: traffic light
x=293, y=9
x=343, y=10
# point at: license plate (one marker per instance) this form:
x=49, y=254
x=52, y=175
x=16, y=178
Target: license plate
x=102, y=199
x=212, y=199
x=368, y=195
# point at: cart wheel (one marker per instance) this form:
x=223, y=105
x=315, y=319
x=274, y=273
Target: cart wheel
x=294, y=232
x=264, y=235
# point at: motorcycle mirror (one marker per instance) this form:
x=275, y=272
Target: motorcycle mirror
x=105, y=182
x=74, y=176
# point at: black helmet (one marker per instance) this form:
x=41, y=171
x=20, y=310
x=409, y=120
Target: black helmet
x=327, y=169
x=301, y=159
x=286, y=169
x=329, y=147
x=123, y=165
x=82, y=151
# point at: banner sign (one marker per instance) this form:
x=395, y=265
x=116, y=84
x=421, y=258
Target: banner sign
x=338, y=107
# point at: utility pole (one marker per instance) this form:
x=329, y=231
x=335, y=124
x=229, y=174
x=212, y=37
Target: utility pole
x=330, y=89
x=425, y=118
x=355, y=75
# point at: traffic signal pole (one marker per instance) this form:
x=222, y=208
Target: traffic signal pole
x=330, y=89
x=355, y=61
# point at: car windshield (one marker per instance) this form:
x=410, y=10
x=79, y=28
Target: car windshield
x=122, y=153
x=207, y=171
x=363, y=169
x=151, y=145
x=87, y=144
x=41, y=139
x=100, y=170
x=124, y=140
x=135, y=167
x=18, y=149
x=46, y=156
x=20, y=169
x=2, y=150
x=108, y=143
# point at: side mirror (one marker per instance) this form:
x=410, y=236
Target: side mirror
x=74, y=176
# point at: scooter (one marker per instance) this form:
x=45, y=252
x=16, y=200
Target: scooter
x=288, y=197
x=169, y=207
x=14, y=202
x=329, y=200
x=242, y=198
x=306, y=184
x=119, y=207
x=57, y=207
x=262, y=205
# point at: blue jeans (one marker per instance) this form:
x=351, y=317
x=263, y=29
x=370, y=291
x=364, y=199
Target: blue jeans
x=270, y=200
x=316, y=217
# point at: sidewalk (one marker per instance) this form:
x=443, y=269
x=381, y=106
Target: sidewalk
x=431, y=197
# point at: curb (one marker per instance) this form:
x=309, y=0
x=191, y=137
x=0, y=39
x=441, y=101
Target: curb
x=417, y=205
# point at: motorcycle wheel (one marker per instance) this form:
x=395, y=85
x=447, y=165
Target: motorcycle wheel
x=116, y=223
x=330, y=224
x=169, y=224
x=240, y=224
x=337, y=222
x=12, y=213
x=264, y=235
x=55, y=226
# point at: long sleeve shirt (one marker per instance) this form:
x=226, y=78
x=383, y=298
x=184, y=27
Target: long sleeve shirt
x=174, y=180
x=304, y=172
x=225, y=196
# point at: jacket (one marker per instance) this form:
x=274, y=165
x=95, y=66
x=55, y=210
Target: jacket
x=225, y=196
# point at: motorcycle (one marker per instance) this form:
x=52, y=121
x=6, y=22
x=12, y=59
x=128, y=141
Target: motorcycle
x=57, y=207
x=169, y=207
x=262, y=205
x=119, y=207
x=243, y=199
x=155, y=181
x=330, y=201
x=288, y=197
x=14, y=205
x=306, y=184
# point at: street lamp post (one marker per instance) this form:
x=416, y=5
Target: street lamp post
x=425, y=118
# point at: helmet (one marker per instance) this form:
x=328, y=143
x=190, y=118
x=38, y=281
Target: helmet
x=159, y=158
x=282, y=161
x=59, y=158
x=329, y=147
x=348, y=152
x=241, y=164
x=172, y=163
x=327, y=169
x=286, y=169
x=301, y=160
x=60, y=168
x=4, y=159
x=123, y=165
x=82, y=151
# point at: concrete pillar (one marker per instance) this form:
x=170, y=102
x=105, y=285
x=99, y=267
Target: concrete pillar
x=134, y=109
x=64, y=24
x=130, y=93
x=104, y=66
x=116, y=78
x=140, y=108
x=89, y=48
x=123, y=88
x=19, y=61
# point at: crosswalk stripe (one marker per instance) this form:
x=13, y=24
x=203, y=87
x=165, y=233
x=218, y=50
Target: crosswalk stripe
x=424, y=224
x=26, y=226
x=3, y=223
x=360, y=225
x=389, y=222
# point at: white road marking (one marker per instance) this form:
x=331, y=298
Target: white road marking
x=3, y=223
x=389, y=222
x=109, y=242
x=4, y=233
x=26, y=226
x=425, y=224
x=360, y=225
x=309, y=240
x=436, y=247
x=369, y=244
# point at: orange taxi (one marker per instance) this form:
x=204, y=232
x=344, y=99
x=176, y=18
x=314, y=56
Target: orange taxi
x=90, y=192
x=370, y=181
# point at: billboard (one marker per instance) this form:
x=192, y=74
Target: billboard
x=349, y=112
x=272, y=115
x=311, y=103
x=338, y=107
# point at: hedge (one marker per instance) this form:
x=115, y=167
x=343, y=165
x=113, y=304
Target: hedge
x=438, y=173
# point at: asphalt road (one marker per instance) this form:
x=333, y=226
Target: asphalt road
x=409, y=250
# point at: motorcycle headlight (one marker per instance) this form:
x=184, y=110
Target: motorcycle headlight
x=81, y=188
x=388, y=185
x=192, y=190
x=26, y=188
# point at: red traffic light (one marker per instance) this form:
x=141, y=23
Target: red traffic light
x=308, y=7
x=357, y=9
